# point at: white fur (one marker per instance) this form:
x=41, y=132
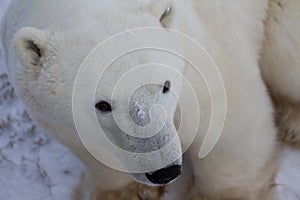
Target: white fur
x=231, y=31
x=280, y=61
x=280, y=65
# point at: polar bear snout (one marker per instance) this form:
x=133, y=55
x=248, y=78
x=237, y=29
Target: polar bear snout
x=165, y=175
x=160, y=176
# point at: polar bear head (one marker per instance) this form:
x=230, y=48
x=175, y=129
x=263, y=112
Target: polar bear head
x=50, y=62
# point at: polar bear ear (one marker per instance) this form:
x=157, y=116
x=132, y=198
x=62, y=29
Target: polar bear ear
x=30, y=45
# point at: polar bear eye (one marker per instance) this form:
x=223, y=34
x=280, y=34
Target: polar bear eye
x=167, y=87
x=164, y=19
x=103, y=106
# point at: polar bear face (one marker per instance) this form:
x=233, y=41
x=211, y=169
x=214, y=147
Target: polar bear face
x=139, y=118
x=50, y=60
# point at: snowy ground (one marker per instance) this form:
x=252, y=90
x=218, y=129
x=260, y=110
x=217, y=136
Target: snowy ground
x=35, y=167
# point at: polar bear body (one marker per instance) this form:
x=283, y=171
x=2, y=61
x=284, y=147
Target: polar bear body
x=280, y=66
x=241, y=165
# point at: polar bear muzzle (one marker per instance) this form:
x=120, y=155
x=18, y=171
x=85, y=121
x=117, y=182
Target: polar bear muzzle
x=165, y=175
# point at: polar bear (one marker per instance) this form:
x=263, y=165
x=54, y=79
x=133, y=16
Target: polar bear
x=280, y=66
x=45, y=43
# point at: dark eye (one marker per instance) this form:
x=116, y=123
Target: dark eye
x=103, y=106
x=164, y=20
x=167, y=87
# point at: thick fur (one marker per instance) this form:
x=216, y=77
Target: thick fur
x=280, y=65
x=243, y=163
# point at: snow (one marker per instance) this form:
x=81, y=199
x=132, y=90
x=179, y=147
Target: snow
x=34, y=166
x=289, y=175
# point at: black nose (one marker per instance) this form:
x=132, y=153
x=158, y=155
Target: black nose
x=165, y=175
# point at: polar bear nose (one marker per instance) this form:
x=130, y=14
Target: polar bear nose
x=165, y=175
